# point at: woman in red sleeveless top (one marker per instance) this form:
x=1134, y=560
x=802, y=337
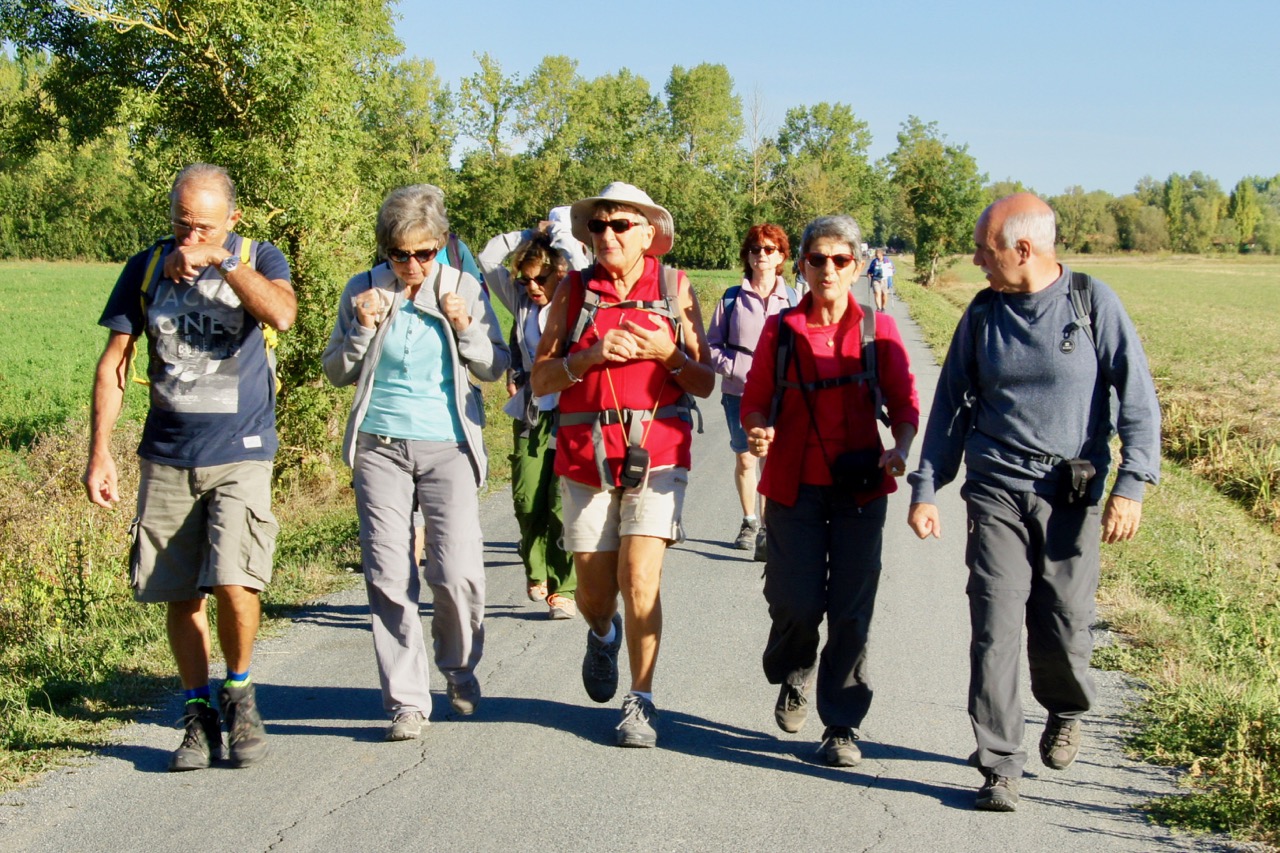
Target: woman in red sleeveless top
x=624, y=346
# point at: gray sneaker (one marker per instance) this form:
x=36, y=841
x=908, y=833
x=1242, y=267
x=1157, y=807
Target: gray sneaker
x=762, y=546
x=600, y=664
x=246, y=736
x=407, y=725
x=746, y=540
x=636, y=728
x=464, y=697
x=791, y=709
x=1060, y=742
x=839, y=747
x=201, y=740
x=997, y=794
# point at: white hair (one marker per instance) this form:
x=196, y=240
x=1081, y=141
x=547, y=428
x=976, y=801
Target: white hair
x=1040, y=228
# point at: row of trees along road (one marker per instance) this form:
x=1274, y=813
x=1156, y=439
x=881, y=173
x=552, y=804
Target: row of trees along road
x=316, y=113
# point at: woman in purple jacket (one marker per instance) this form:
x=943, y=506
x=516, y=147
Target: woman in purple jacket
x=735, y=328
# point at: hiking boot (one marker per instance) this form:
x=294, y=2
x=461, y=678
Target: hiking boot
x=1059, y=743
x=762, y=547
x=746, y=540
x=201, y=741
x=537, y=590
x=636, y=728
x=407, y=725
x=246, y=736
x=839, y=747
x=464, y=697
x=600, y=664
x=997, y=794
x=560, y=607
x=792, y=708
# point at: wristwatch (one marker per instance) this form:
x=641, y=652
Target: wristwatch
x=229, y=263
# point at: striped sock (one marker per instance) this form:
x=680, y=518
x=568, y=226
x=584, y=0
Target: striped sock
x=236, y=679
x=200, y=694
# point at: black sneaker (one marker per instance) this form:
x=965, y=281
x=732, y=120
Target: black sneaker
x=464, y=697
x=839, y=747
x=1059, y=743
x=746, y=540
x=202, y=740
x=997, y=794
x=600, y=664
x=246, y=736
x=762, y=546
x=636, y=728
x=791, y=709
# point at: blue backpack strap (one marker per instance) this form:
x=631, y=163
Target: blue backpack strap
x=1081, y=290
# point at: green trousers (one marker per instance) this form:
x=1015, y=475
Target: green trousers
x=535, y=491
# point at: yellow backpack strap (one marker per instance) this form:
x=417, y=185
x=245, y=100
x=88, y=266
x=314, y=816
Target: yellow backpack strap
x=147, y=278
x=270, y=337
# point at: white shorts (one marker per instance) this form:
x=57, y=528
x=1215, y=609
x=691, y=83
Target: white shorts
x=597, y=519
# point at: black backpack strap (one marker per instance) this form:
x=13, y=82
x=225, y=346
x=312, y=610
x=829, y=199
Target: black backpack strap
x=1082, y=304
x=870, y=367
x=782, y=357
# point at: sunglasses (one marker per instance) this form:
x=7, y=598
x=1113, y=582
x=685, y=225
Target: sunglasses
x=540, y=280
x=817, y=259
x=762, y=250
x=619, y=226
x=422, y=256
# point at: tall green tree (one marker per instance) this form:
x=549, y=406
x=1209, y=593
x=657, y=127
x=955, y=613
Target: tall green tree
x=1245, y=211
x=487, y=102
x=271, y=91
x=943, y=190
x=706, y=115
x=823, y=166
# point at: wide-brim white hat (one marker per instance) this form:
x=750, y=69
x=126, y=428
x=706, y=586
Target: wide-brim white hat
x=622, y=193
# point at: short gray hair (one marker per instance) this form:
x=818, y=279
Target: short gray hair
x=841, y=227
x=206, y=174
x=1040, y=228
x=416, y=209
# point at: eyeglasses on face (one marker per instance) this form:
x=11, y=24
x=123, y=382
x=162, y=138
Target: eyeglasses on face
x=422, y=256
x=179, y=226
x=540, y=280
x=762, y=250
x=619, y=226
x=817, y=259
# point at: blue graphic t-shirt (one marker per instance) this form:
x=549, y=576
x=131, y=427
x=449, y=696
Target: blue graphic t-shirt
x=212, y=390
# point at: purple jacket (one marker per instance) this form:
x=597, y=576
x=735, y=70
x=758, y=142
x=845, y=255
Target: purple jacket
x=733, y=342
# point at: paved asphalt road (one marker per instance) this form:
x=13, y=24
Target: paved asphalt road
x=534, y=768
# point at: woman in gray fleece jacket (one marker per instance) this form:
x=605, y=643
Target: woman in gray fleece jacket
x=410, y=335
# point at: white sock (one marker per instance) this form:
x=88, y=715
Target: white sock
x=751, y=517
x=648, y=697
x=609, y=637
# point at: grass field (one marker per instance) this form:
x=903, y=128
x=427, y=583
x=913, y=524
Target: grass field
x=50, y=341
x=1197, y=595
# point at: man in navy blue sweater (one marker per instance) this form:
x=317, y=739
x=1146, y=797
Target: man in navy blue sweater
x=1034, y=385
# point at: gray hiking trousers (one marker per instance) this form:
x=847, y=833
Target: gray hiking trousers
x=1031, y=560
x=388, y=476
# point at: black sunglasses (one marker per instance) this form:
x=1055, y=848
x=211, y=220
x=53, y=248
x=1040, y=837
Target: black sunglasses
x=758, y=250
x=540, y=280
x=817, y=259
x=422, y=256
x=619, y=226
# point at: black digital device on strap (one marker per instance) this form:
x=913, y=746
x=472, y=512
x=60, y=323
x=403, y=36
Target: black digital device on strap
x=635, y=464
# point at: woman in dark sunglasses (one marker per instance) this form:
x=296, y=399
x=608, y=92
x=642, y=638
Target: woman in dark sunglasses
x=734, y=330
x=409, y=334
x=522, y=269
x=822, y=373
x=624, y=347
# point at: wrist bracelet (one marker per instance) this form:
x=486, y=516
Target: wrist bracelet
x=682, y=366
x=567, y=372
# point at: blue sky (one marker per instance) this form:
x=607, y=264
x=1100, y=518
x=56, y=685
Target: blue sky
x=1051, y=93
